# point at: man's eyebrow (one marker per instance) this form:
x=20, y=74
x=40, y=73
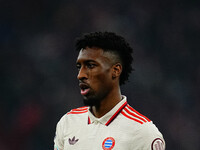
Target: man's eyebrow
x=87, y=61
x=90, y=60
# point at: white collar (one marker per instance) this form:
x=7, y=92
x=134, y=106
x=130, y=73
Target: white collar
x=109, y=116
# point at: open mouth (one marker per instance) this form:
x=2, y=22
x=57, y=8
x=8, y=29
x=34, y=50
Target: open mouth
x=84, y=88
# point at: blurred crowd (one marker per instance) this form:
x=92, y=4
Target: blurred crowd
x=38, y=72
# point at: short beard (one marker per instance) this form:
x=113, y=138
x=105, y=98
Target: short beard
x=92, y=101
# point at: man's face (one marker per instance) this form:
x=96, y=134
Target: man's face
x=95, y=75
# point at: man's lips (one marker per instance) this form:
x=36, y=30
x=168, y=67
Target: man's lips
x=85, y=88
x=84, y=91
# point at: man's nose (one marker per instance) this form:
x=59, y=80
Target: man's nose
x=82, y=74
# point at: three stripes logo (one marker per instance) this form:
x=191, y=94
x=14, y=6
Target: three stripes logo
x=73, y=141
x=108, y=143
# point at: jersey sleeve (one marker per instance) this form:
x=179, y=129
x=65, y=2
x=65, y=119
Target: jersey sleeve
x=149, y=138
x=59, y=136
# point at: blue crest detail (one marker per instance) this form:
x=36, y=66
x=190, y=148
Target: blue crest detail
x=108, y=143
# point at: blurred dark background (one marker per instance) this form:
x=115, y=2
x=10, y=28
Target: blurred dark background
x=38, y=73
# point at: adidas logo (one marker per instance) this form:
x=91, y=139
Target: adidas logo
x=73, y=141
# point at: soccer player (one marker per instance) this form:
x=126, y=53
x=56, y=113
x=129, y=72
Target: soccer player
x=107, y=122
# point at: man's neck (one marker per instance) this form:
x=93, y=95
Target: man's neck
x=106, y=104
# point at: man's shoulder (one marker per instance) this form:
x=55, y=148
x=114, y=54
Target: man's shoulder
x=140, y=128
x=78, y=111
x=138, y=121
x=133, y=116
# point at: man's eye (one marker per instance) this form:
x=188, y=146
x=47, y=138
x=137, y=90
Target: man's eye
x=78, y=66
x=90, y=66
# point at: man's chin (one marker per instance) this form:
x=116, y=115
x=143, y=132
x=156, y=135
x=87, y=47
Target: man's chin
x=88, y=101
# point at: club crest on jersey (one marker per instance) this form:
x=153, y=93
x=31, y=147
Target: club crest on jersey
x=108, y=143
x=157, y=144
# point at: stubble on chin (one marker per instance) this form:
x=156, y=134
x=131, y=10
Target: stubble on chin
x=91, y=101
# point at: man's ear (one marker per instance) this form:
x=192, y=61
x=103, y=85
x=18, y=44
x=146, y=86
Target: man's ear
x=117, y=70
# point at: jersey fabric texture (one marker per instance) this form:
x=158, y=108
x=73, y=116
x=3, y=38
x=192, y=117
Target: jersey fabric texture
x=122, y=128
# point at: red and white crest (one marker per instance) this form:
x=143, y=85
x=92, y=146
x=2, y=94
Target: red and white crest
x=108, y=143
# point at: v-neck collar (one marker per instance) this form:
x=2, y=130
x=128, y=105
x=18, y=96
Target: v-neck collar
x=110, y=116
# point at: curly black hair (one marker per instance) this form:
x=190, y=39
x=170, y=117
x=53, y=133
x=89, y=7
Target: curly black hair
x=109, y=41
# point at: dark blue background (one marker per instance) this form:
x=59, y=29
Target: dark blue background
x=38, y=73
